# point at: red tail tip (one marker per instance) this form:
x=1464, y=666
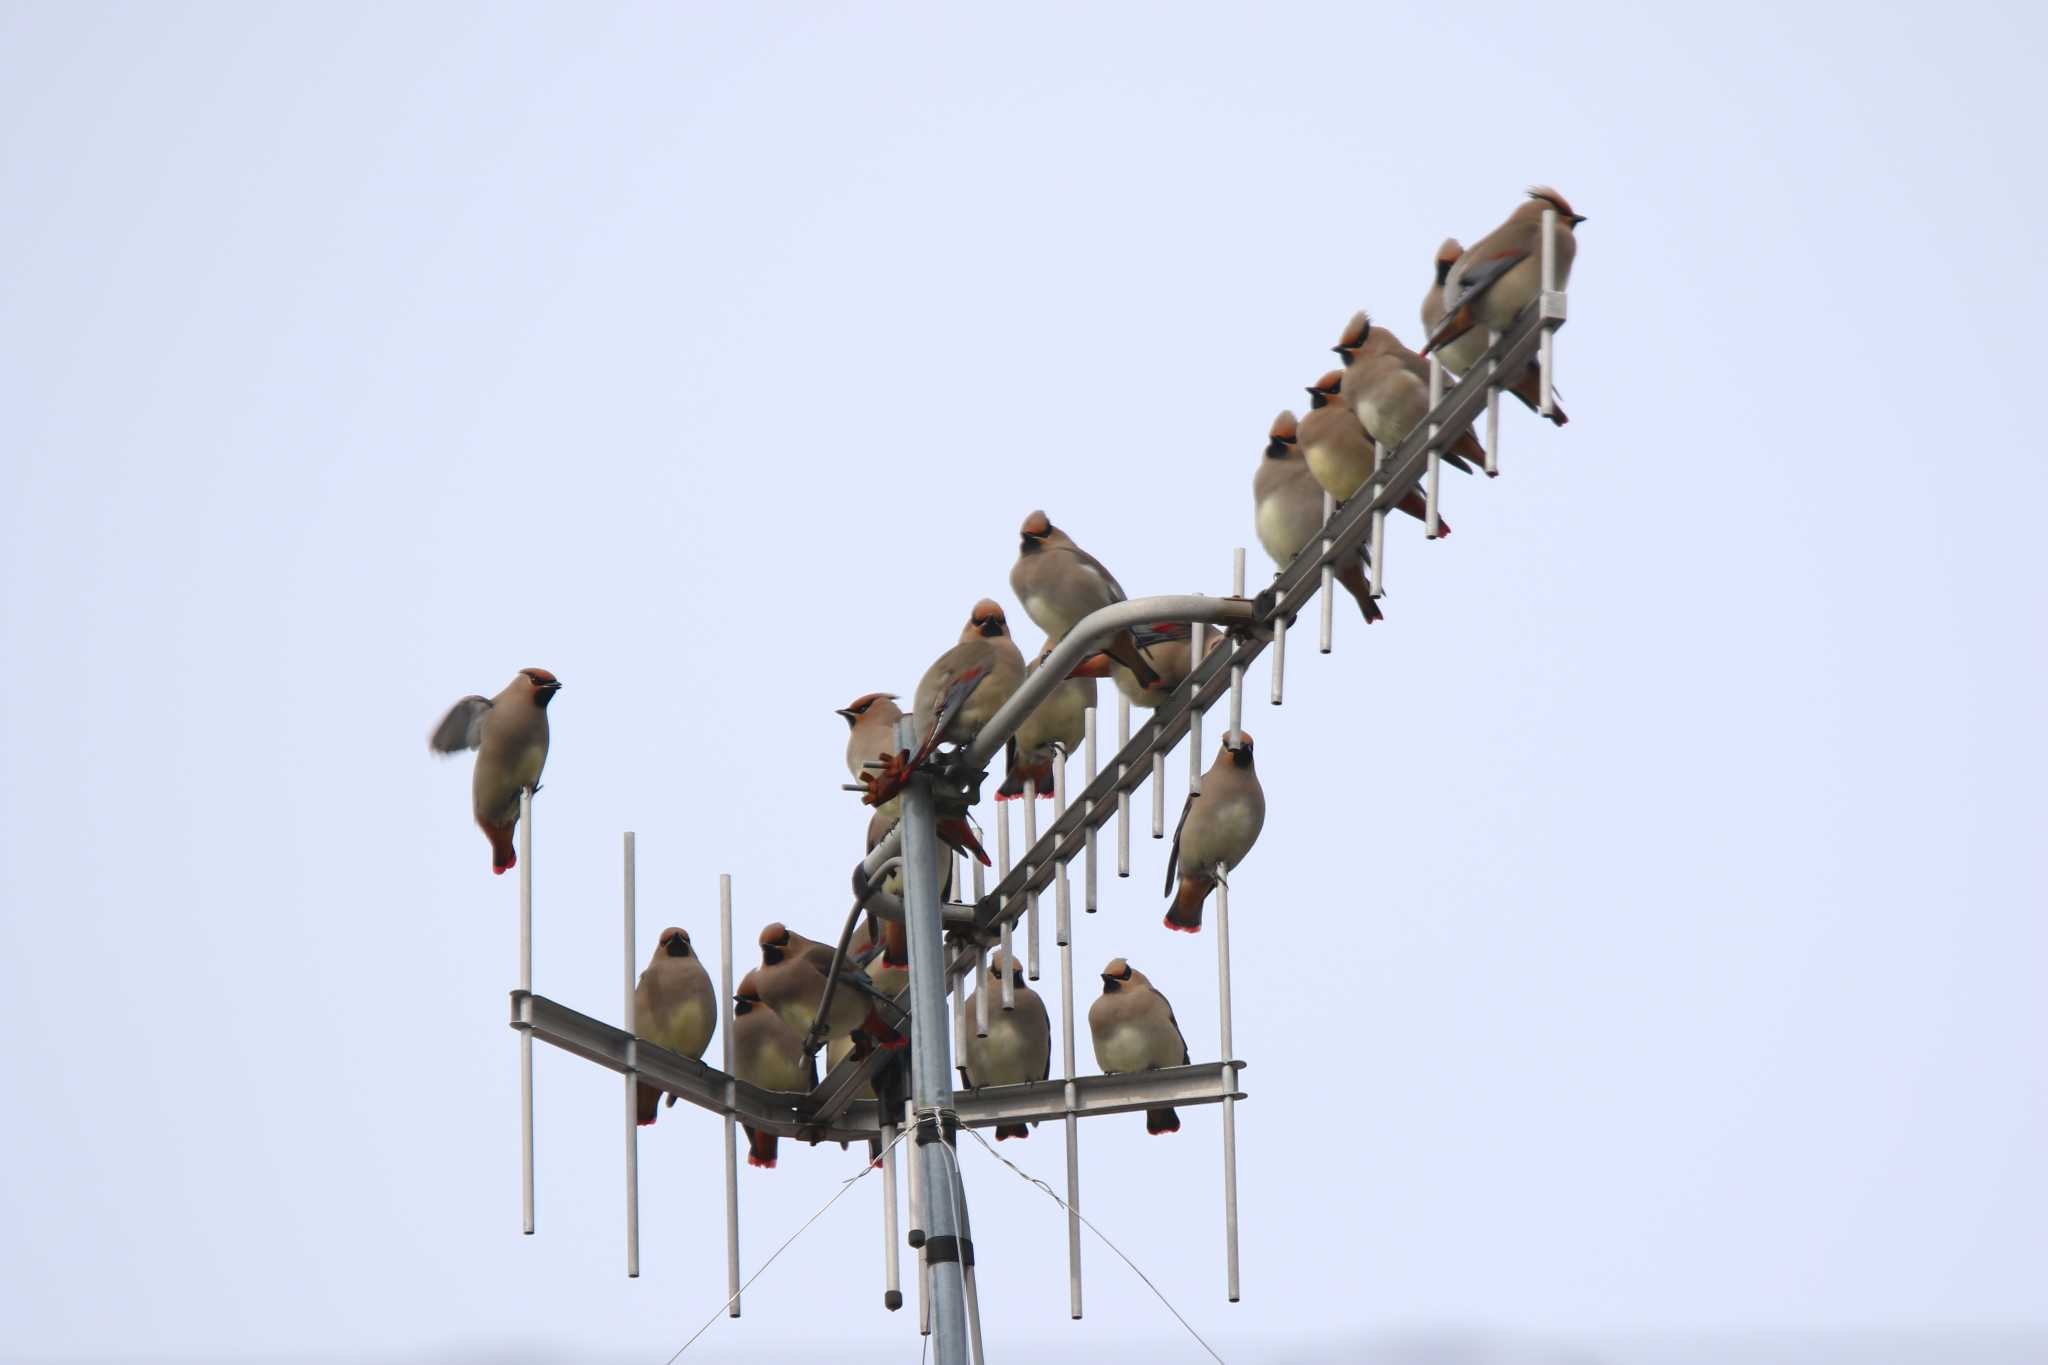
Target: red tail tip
x=1179, y=928
x=753, y=1160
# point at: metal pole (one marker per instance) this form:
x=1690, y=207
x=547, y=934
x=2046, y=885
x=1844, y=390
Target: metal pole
x=1236, y=670
x=1379, y=529
x=913, y=1172
x=931, y=1062
x=526, y=1034
x=1062, y=894
x=1548, y=405
x=1328, y=603
x=632, y=1085
x=1229, y=1057
x=1088, y=843
x=1432, y=525
x=1158, y=795
x=980, y=992
x=1197, y=646
x=892, y=1274
x=1030, y=897
x=1492, y=408
x=732, y=1158
x=1279, y=656
x=1123, y=798
x=1002, y=871
x=1073, y=1127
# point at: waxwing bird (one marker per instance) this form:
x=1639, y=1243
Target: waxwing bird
x=871, y=725
x=510, y=735
x=1218, y=826
x=1288, y=510
x=1337, y=450
x=1060, y=720
x=792, y=978
x=1134, y=1030
x=958, y=694
x=674, y=1006
x=1501, y=275
x=1059, y=583
x=1464, y=354
x=879, y=825
x=767, y=1052
x=1019, y=1043
x=1364, y=343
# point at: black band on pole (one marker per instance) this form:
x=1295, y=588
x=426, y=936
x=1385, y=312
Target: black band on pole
x=937, y=1249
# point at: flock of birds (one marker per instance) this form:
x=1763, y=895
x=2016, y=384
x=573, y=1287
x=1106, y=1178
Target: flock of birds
x=1378, y=396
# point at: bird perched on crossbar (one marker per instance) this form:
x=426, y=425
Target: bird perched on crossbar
x=1133, y=1028
x=1502, y=273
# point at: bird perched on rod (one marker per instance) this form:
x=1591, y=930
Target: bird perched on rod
x=1387, y=386
x=1338, y=451
x=1019, y=1043
x=510, y=735
x=1287, y=507
x=792, y=978
x=871, y=730
x=1061, y=719
x=1501, y=275
x=1060, y=583
x=1134, y=1030
x=767, y=1052
x=1363, y=344
x=1463, y=354
x=1219, y=825
x=673, y=1006
x=957, y=695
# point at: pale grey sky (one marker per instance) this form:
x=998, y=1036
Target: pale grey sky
x=1646, y=938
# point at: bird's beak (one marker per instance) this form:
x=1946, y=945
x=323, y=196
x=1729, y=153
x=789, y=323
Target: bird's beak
x=848, y=712
x=1578, y=218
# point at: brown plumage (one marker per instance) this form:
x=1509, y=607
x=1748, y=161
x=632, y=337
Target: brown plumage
x=1060, y=583
x=1287, y=505
x=767, y=1052
x=1133, y=1028
x=1218, y=826
x=674, y=1006
x=1463, y=355
x=1503, y=271
x=510, y=734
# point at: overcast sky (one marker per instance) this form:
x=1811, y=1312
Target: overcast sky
x=1646, y=938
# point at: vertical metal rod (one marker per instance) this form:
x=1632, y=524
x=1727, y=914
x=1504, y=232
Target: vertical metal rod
x=1229, y=1057
x=1002, y=841
x=1123, y=798
x=1088, y=858
x=1198, y=645
x=526, y=1034
x=1009, y=984
x=1158, y=795
x=1432, y=524
x=1379, y=529
x=1062, y=894
x=1073, y=1132
x=632, y=1083
x=1492, y=408
x=1327, y=604
x=913, y=1173
x=732, y=1156
x=892, y=1273
x=1030, y=897
x=973, y=1294
x=981, y=992
x=1548, y=404
x=957, y=993
x=1279, y=657
x=1236, y=670
x=931, y=1062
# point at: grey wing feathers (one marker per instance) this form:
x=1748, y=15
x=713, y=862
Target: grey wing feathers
x=462, y=728
x=1173, y=854
x=1473, y=283
x=1116, y=589
x=1176, y=1026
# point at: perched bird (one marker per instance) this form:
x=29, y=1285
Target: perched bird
x=769, y=1053
x=1364, y=344
x=792, y=979
x=1464, y=354
x=1338, y=452
x=1019, y=1043
x=1218, y=826
x=510, y=735
x=883, y=946
x=1134, y=1030
x=871, y=725
x=1061, y=719
x=879, y=824
x=957, y=695
x=1288, y=508
x=1503, y=272
x=1390, y=400
x=1059, y=583
x=673, y=1006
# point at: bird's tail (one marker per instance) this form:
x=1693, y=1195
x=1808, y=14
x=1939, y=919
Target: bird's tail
x=1467, y=447
x=503, y=854
x=1037, y=770
x=1528, y=387
x=878, y=1030
x=761, y=1149
x=1186, y=914
x=1352, y=576
x=959, y=834
x=649, y=1098
x=1159, y=1121
x=1012, y=1130
x=1449, y=328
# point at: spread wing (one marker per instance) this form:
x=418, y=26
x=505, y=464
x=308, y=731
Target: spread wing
x=1173, y=854
x=462, y=728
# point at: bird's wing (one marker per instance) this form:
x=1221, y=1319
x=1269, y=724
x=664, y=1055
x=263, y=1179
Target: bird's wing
x=1094, y=566
x=1176, y=1026
x=1173, y=854
x=1480, y=278
x=462, y=728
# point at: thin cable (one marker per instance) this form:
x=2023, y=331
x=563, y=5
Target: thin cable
x=844, y=1186
x=1034, y=1180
